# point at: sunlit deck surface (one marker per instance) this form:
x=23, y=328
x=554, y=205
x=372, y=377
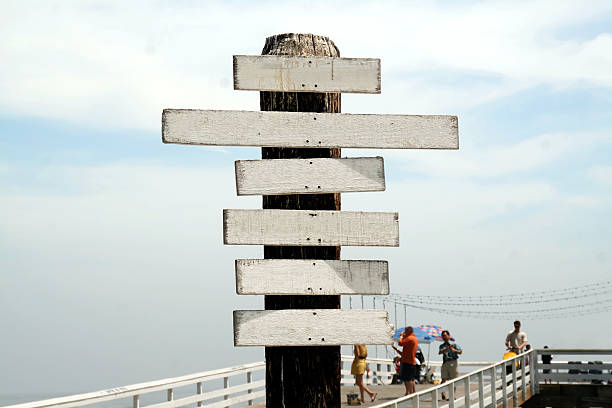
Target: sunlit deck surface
x=387, y=393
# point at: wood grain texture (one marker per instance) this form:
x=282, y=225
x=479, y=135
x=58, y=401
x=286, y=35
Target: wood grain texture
x=311, y=277
x=283, y=73
x=311, y=327
x=308, y=176
x=310, y=228
x=309, y=129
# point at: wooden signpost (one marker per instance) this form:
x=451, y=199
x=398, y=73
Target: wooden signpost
x=300, y=177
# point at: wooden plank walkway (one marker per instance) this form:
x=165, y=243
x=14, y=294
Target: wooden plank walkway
x=388, y=393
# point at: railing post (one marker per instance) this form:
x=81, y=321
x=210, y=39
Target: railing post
x=225, y=385
x=415, y=402
x=170, y=394
x=390, y=373
x=250, y=390
x=451, y=395
x=514, y=396
x=493, y=386
x=523, y=379
x=376, y=376
x=136, y=401
x=480, y=390
x=533, y=373
x=199, y=392
x=466, y=385
x=505, y=385
x=434, y=398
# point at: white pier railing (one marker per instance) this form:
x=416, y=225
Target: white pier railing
x=513, y=381
x=575, y=372
x=382, y=370
x=242, y=384
x=504, y=383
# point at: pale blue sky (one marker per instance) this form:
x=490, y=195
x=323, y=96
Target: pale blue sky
x=112, y=268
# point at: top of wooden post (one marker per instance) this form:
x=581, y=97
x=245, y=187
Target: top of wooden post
x=304, y=45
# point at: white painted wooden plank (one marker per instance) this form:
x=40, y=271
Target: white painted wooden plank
x=575, y=351
x=574, y=377
x=311, y=277
x=307, y=129
x=311, y=327
x=310, y=228
x=283, y=73
x=308, y=176
x=209, y=395
x=236, y=400
x=567, y=366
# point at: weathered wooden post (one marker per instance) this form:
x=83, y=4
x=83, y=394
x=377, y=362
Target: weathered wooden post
x=301, y=175
x=295, y=374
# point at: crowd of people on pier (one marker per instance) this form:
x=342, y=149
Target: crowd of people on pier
x=408, y=367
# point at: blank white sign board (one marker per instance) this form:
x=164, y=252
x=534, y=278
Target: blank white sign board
x=311, y=327
x=311, y=277
x=307, y=129
x=309, y=176
x=310, y=228
x=282, y=73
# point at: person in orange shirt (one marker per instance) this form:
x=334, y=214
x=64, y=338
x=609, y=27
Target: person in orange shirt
x=408, y=362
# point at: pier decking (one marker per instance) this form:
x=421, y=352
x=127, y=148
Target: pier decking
x=388, y=393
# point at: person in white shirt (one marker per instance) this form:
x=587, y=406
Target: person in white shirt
x=516, y=339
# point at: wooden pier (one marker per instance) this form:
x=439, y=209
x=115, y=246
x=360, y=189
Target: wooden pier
x=500, y=384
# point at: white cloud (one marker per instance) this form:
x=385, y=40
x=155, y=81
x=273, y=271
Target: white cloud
x=122, y=63
x=585, y=201
x=601, y=174
x=524, y=156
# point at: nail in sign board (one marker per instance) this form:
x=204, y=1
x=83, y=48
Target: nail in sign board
x=308, y=327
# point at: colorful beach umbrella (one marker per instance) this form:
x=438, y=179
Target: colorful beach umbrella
x=423, y=337
x=426, y=333
x=435, y=332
